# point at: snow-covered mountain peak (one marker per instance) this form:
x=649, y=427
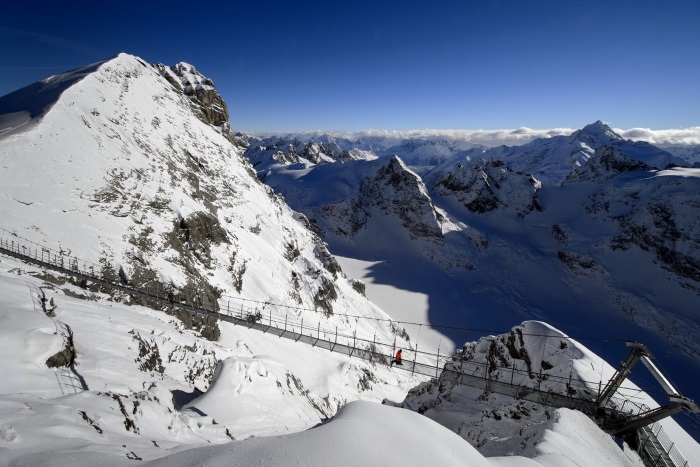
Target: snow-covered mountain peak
x=159, y=191
x=605, y=163
x=191, y=78
x=601, y=132
x=551, y=160
x=21, y=108
x=206, y=102
x=484, y=186
x=391, y=191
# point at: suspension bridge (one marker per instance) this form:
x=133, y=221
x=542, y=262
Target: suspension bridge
x=617, y=415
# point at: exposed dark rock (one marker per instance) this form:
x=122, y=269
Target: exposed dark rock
x=578, y=262
x=605, y=163
x=653, y=228
x=559, y=234
x=149, y=356
x=64, y=357
x=327, y=259
x=206, y=103
x=325, y=296
x=485, y=186
x=359, y=286
x=395, y=189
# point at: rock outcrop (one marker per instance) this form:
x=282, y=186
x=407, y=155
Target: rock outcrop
x=489, y=185
x=206, y=103
x=395, y=192
x=606, y=163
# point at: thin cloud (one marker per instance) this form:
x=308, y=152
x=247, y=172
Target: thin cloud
x=683, y=136
x=508, y=137
x=33, y=68
x=51, y=40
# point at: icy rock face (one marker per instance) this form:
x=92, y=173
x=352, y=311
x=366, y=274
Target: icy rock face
x=670, y=236
x=652, y=215
x=414, y=151
x=607, y=162
x=660, y=216
x=489, y=185
x=532, y=355
x=690, y=153
x=395, y=192
x=536, y=352
x=657, y=214
x=266, y=152
x=598, y=133
x=207, y=104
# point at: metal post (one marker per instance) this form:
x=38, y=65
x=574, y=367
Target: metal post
x=415, y=354
x=301, y=331
x=285, y=322
x=437, y=362
x=353, y=343
x=270, y=316
x=374, y=346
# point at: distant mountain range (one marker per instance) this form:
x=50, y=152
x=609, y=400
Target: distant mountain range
x=552, y=158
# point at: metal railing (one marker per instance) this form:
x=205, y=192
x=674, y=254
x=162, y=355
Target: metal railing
x=658, y=448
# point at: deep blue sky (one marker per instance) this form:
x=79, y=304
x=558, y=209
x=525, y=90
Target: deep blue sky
x=390, y=65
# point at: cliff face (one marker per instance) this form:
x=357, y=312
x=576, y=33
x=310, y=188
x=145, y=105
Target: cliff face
x=605, y=164
x=489, y=185
x=533, y=355
x=206, y=103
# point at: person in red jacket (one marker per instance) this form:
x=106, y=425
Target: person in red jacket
x=397, y=360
